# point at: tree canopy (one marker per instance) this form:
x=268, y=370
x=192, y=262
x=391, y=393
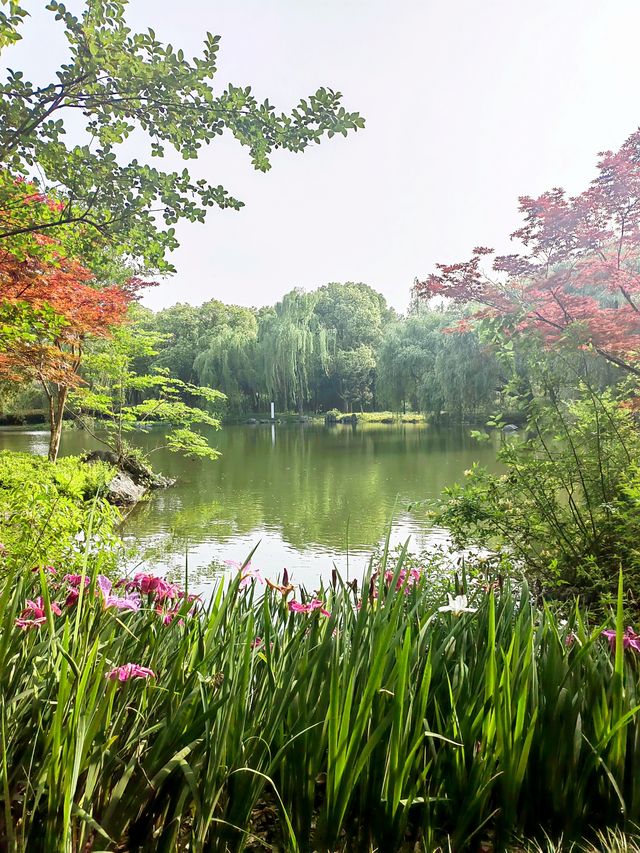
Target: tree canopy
x=120, y=83
x=578, y=276
x=48, y=310
x=339, y=346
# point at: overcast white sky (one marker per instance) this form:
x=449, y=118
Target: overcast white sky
x=468, y=105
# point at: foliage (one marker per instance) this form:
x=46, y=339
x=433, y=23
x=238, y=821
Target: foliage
x=381, y=724
x=126, y=401
x=310, y=351
x=356, y=312
x=337, y=347
x=566, y=508
x=124, y=83
x=422, y=366
x=354, y=369
x=293, y=343
x=611, y=841
x=577, y=278
x=44, y=506
x=48, y=310
x=381, y=417
x=199, y=342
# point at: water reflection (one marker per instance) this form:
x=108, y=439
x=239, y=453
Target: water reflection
x=306, y=493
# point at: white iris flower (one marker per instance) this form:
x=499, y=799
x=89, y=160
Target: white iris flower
x=457, y=605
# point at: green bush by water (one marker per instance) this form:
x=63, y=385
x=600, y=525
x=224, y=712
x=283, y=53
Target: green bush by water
x=566, y=507
x=45, y=506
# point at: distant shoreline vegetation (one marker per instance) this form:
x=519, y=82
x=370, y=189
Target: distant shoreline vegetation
x=36, y=418
x=339, y=348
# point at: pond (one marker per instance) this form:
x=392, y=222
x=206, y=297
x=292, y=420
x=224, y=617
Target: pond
x=308, y=496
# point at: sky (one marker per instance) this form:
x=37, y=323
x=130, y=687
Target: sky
x=468, y=105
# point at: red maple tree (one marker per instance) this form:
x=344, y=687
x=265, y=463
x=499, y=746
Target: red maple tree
x=579, y=272
x=47, y=311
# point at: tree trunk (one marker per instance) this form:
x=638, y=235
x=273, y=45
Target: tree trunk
x=56, y=415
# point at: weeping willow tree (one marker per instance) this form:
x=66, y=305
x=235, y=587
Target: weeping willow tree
x=293, y=346
x=422, y=365
x=230, y=360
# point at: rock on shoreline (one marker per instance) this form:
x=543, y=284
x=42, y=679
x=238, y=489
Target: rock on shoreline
x=132, y=480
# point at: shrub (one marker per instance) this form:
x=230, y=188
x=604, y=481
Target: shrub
x=566, y=508
x=45, y=508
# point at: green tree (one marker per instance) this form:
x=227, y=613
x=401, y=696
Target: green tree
x=187, y=331
x=230, y=362
x=127, y=401
x=354, y=371
x=424, y=363
x=292, y=343
x=355, y=311
x=86, y=192
x=354, y=315
x=404, y=358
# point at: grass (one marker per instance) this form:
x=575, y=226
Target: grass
x=385, y=725
x=362, y=417
x=607, y=841
x=379, y=417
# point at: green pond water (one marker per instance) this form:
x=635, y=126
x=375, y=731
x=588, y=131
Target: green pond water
x=306, y=495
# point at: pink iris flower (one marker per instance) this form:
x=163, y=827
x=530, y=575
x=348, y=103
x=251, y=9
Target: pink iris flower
x=129, y=671
x=48, y=570
x=194, y=600
x=247, y=574
x=76, y=580
x=34, y=613
x=406, y=579
x=73, y=594
x=309, y=607
x=169, y=615
x=72, y=598
x=131, y=600
x=630, y=640
x=153, y=585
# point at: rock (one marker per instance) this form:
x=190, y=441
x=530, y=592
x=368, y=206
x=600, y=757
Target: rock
x=251, y=421
x=510, y=428
x=133, y=479
x=107, y=456
x=122, y=491
x=161, y=482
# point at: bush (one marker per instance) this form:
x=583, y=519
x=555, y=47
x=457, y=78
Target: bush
x=566, y=509
x=45, y=508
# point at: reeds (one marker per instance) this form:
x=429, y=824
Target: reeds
x=387, y=723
